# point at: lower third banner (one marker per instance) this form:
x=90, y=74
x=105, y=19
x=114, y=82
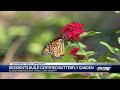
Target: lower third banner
x=60, y=68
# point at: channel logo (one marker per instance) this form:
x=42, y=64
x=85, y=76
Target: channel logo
x=103, y=68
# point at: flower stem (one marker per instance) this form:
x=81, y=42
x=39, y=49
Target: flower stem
x=97, y=75
x=82, y=50
x=66, y=47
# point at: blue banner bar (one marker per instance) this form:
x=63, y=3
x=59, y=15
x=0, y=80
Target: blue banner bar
x=59, y=68
x=4, y=68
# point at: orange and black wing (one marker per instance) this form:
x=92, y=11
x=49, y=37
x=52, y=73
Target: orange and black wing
x=55, y=48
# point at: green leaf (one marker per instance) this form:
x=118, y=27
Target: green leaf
x=69, y=43
x=104, y=56
x=119, y=40
x=82, y=45
x=75, y=76
x=73, y=45
x=114, y=50
x=92, y=60
x=117, y=11
x=83, y=61
x=86, y=34
x=80, y=53
x=90, y=53
x=118, y=31
x=76, y=45
x=112, y=60
x=95, y=76
x=108, y=46
x=102, y=76
x=114, y=76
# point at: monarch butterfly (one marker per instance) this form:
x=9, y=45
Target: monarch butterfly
x=55, y=48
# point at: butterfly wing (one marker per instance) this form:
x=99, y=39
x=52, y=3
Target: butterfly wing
x=58, y=50
x=55, y=48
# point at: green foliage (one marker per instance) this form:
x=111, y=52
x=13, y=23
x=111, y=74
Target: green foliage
x=90, y=53
x=75, y=76
x=114, y=76
x=46, y=75
x=92, y=77
x=92, y=60
x=104, y=57
x=119, y=40
x=90, y=33
x=87, y=53
x=114, y=50
x=3, y=35
x=118, y=37
x=118, y=31
x=76, y=45
x=112, y=60
x=102, y=76
x=18, y=31
x=117, y=11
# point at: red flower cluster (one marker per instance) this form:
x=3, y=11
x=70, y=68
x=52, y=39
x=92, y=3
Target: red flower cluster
x=73, y=30
x=74, y=53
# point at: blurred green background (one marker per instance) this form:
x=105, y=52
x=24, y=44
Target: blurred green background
x=23, y=34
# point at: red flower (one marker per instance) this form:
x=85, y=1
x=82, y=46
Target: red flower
x=73, y=30
x=76, y=37
x=74, y=51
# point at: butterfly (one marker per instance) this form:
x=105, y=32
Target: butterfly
x=55, y=48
